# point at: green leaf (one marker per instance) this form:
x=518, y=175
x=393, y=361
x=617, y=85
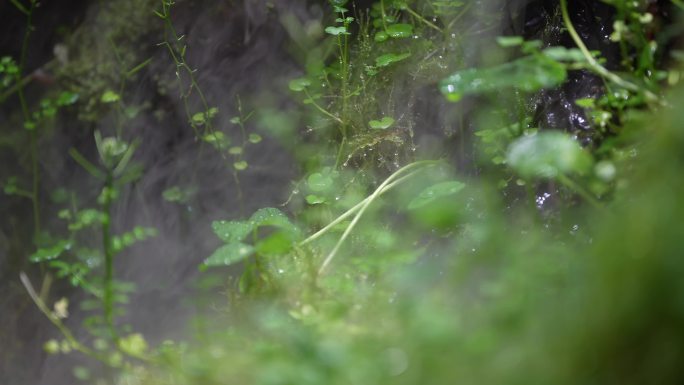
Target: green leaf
x=319, y=182
x=66, y=98
x=547, y=154
x=335, y=31
x=314, y=199
x=530, y=73
x=241, y=165
x=235, y=150
x=232, y=231
x=381, y=36
x=278, y=243
x=298, y=85
x=202, y=117
x=229, y=254
x=110, y=96
x=269, y=216
x=434, y=192
x=48, y=253
x=381, y=124
x=254, y=138
x=398, y=31
x=509, y=41
x=390, y=58
x=565, y=54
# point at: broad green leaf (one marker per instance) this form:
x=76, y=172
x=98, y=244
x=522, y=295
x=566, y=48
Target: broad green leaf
x=235, y=150
x=399, y=30
x=547, y=155
x=530, y=73
x=390, y=58
x=229, y=254
x=278, y=243
x=381, y=124
x=241, y=165
x=381, y=36
x=232, y=231
x=434, y=192
x=48, y=253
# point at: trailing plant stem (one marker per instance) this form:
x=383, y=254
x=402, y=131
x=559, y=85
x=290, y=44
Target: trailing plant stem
x=108, y=290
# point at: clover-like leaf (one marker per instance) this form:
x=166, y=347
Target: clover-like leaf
x=381, y=124
x=298, y=85
x=336, y=31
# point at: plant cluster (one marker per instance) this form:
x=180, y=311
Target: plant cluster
x=384, y=266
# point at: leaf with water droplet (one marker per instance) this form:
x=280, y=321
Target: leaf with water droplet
x=530, y=73
x=229, y=254
x=270, y=216
x=547, y=155
x=436, y=191
x=398, y=31
x=381, y=124
x=232, y=231
x=390, y=58
x=48, y=253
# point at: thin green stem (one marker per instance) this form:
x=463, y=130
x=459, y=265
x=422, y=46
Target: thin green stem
x=586, y=195
x=595, y=65
x=321, y=109
x=68, y=335
x=422, y=19
x=363, y=206
x=108, y=289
